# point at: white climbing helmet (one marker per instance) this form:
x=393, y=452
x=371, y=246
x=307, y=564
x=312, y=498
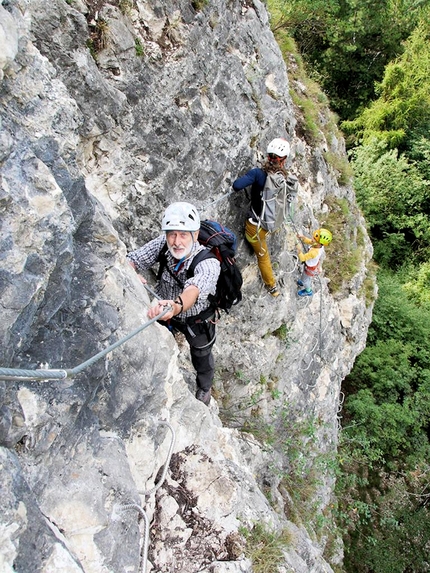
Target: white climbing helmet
x=279, y=147
x=180, y=217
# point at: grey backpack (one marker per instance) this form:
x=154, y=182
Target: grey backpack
x=277, y=195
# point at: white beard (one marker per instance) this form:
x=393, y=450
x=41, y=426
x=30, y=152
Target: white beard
x=184, y=254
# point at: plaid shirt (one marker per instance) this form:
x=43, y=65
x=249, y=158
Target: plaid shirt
x=205, y=276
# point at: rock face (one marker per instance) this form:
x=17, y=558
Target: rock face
x=109, y=112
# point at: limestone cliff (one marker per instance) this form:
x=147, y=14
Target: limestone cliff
x=109, y=111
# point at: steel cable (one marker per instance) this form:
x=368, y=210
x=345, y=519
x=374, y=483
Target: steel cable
x=16, y=374
x=138, y=508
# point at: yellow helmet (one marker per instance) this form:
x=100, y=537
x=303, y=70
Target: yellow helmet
x=323, y=236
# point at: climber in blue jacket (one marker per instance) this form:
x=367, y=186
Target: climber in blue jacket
x=277, y=153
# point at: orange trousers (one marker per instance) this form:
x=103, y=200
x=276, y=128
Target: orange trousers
x=258, y=242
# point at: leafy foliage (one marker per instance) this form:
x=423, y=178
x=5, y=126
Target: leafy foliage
x=316, y=123
x=403, y=106
x=385, y=445
x=394, y=197
x=345, y=252
x=384, y=484
x=347, y=43
x=390, y=383
x=388, y=528
x=383, y=491
x=417, y=285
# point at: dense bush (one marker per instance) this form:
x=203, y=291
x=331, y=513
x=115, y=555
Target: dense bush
x=388, y=391
x=384, y=488
x=394, y=197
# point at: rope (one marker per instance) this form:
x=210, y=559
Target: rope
x=145, y=533
x=291, y=257
x=207, y=205
x=339, y=411
x=166, y=465
x=22, y=375
x=150, y=491
x=153, y=293
x=318, y=342
x=291, y=222
x=320, y=328
x=308, y=366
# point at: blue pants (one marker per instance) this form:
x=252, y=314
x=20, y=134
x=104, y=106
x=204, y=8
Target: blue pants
x=306, y=280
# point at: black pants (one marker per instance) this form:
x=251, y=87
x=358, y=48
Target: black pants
x=201, y=336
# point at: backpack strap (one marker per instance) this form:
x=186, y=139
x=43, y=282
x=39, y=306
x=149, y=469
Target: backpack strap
x=201, y=256
x=162, y=259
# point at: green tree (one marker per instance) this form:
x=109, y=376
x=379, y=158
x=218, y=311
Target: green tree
x=347, y=43
x=395, y=538
x=383, y=490
x=417, y=285
x=402, y=110
x=394, y=198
